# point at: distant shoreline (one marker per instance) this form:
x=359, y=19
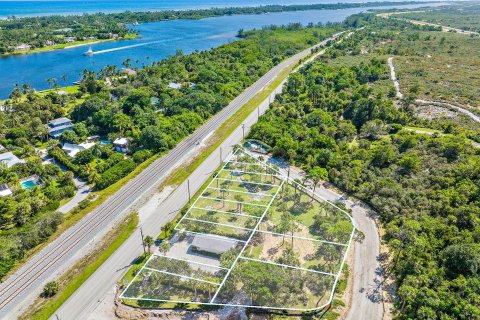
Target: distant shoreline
x=65, y=46
x=211, y=7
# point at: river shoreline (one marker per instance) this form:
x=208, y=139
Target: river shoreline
x=75, y=44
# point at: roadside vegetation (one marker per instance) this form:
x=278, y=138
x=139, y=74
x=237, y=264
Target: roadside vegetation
x=58, y=291
x=341, y=117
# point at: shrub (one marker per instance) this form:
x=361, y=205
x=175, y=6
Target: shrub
x=115, y=173
x=61, y=157
x=141, y=155
x=50, y=289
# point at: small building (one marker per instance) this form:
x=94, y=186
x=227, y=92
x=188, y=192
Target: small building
x=72, y=149
x=23, y=47
x=121, y=145
x=94, y=138
x=69, y=39
x=5, y=190
x=213, y=244
x=2, y=148
x=9, y=159
x=57, y=126
x=130, y=72
x=174, y=85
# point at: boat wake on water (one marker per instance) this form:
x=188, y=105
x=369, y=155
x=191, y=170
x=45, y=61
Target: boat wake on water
x=132, y=46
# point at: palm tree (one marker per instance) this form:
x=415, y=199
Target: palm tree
x=127, y=63
x=240, y=199
x=164, y=247
x=315, y=175
x=64, y=77
x=148, y=242
x=26, y=88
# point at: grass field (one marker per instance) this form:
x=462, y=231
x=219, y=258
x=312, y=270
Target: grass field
x=465, y=17
x=438, y=65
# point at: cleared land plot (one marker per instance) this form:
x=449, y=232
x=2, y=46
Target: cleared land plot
x=297, y=213
x=185, y=268
x=264, y=284
x=299, y=252
x=263, y=240
x=229, y=219
x=159, y=286
x=214, y=228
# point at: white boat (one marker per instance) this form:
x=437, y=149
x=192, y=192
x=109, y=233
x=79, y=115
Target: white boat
x=89, y=52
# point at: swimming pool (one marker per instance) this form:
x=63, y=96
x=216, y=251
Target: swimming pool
x=28, y=184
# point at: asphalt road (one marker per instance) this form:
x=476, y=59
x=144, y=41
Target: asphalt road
x=48, y=263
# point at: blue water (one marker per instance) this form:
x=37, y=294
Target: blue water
x=36, y=8
x=158, y=41
x=28, y=184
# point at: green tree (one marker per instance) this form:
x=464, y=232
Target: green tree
x=148, y=242
x=50, y=289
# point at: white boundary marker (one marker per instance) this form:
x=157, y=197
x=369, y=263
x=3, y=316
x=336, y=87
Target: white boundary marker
x=248, y=182
x=233, y=201
x=302, y=238
x=246, y=243
x=211, y=235
x=255, y=230
x=185, y=260
x=306, y=190
x=244, y=192
x=254, y=173
x=218, y=224
x=181, y=276
x=288, y=266
x=247, y=163
x=228, y=212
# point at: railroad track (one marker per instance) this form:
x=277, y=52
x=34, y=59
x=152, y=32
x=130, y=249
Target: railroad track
x=118, y=204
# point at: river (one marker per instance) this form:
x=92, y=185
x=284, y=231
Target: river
x=158, y=41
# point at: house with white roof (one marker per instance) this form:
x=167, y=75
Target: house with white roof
x=5, y=190
x=213, y=244
x=121, y=145
x=72, y=149
x=9, y=159
x=57, y=126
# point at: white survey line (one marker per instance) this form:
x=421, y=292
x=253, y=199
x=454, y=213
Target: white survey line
x=288, y=266
x=228, y=212
x=246, y=244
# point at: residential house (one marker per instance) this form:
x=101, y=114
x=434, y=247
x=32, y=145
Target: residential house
x=23, y=47
x=69, y=39
x=72, y=149
x=5, y=191
x=121, y=145
x=130, y=72
x=57, y=126
x=9, y=159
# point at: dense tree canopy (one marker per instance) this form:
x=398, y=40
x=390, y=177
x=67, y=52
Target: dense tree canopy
x=339, y=116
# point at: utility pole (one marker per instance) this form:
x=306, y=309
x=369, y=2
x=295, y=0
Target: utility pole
x=188, y=186
x=288, y=174
x=243, y=129
x=220, y=155
x=143, y=241
x=258, y=112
